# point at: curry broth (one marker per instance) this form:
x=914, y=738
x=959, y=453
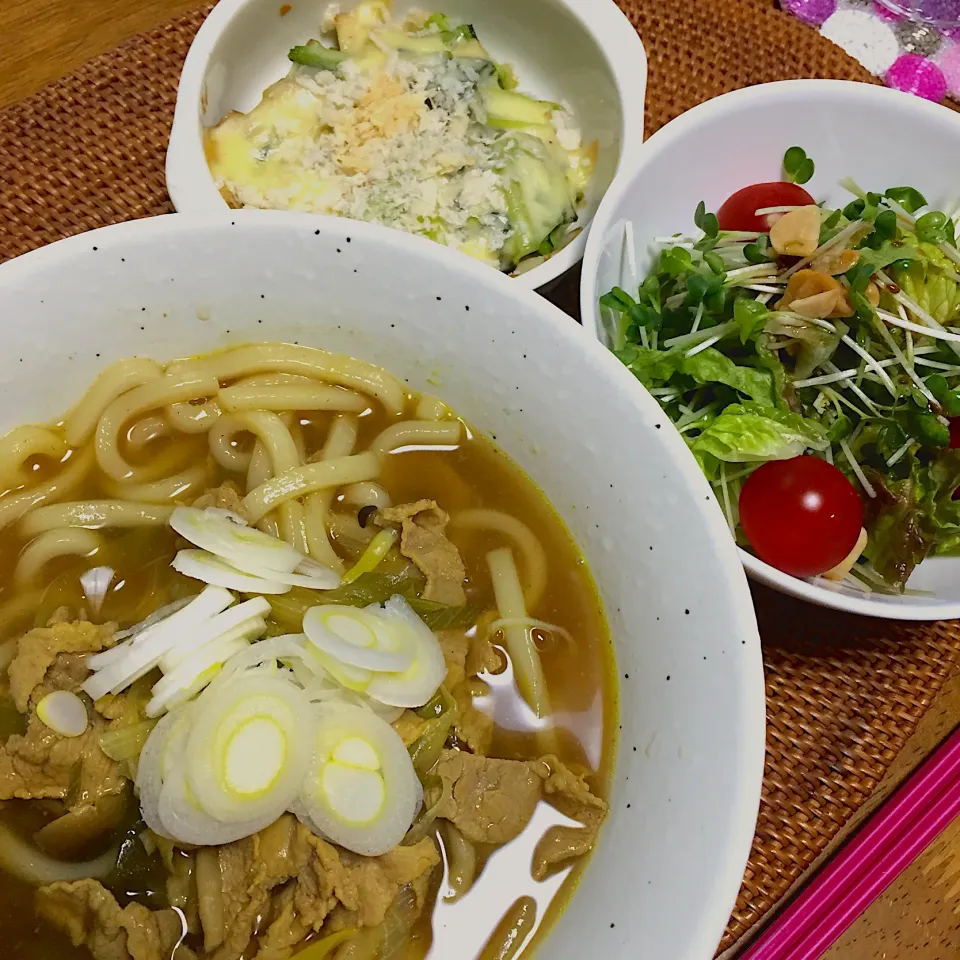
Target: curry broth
x=579, y=671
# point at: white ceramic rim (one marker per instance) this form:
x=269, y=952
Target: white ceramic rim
x=750, y=749
x=784, y=91
x=192, y=190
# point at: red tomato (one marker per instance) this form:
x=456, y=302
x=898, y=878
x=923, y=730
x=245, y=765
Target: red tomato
x=737, y=212
x=954, y=433
x=802, y=516
x=954, y=445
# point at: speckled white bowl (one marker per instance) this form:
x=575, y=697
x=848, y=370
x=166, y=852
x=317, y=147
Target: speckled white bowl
x=691, y=742
x=878, y=136
x=582, y=52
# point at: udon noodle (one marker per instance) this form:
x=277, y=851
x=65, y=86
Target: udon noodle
x=385, y=492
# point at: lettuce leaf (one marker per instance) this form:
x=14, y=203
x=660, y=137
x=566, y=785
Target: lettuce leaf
x=924, y=280
x=711, y=366
x=913, y=517
x=943, y=478
x=811, y=345
x=881, y=258
x=898, y=538
x=751, y=316
x=653, y=368
x=751, y=433
x=769, y=359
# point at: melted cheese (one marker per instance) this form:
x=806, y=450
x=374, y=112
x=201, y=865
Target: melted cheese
x=396, y=139
x=258, y=156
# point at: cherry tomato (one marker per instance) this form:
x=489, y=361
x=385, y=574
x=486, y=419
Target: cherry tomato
x=954, y=433
x=802, y=516
x=954, y=445
x=737, y=212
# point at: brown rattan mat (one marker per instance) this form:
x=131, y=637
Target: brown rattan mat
x=843, y=694
x=88, y=150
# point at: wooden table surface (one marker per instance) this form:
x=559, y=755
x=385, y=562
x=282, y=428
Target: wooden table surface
x=41, y=40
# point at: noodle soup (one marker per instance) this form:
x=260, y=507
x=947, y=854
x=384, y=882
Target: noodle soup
x=425, y=771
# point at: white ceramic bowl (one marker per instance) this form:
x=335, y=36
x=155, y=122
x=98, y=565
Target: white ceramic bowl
x=582, y=52
x=878, y=136
x=687, y=779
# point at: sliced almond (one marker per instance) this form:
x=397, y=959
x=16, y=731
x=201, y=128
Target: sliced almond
x=835, y=262
x=805, y=283
x=797, y=233
x=843, y=307
x=818, y=306
x=840, y=571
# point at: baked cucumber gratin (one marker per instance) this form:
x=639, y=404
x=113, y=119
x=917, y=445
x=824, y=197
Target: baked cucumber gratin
x=413, y=125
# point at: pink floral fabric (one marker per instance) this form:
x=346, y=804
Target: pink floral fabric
x=910, y=56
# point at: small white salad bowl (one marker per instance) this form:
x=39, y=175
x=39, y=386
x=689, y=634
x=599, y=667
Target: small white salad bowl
x=686, y=782
x=877, y=136
x=584, y=53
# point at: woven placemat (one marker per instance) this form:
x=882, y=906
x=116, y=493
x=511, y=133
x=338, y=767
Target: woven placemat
x=843, y=693
x=88, y=150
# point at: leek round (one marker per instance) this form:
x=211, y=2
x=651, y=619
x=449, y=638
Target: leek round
x=358, y=638
x=64, y=713
x=313, y=576
x=353, y=678
x=249, y=747
x=237, y=543
x=194, y=673
x=361, y=790
x=414, y=686
x=151, y=768
x=298, y=809
x=287, y=647
x=322, y=690
x=208, y=567
x=181, y=815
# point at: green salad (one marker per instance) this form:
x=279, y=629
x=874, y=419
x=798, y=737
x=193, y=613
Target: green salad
x=804, y=352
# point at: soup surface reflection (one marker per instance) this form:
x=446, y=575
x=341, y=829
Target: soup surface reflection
x=390, y=496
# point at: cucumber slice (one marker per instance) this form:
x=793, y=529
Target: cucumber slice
x=434, y=43
x=315, y=54
x=461, y=43
x=538, y=195
x=507, y=107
